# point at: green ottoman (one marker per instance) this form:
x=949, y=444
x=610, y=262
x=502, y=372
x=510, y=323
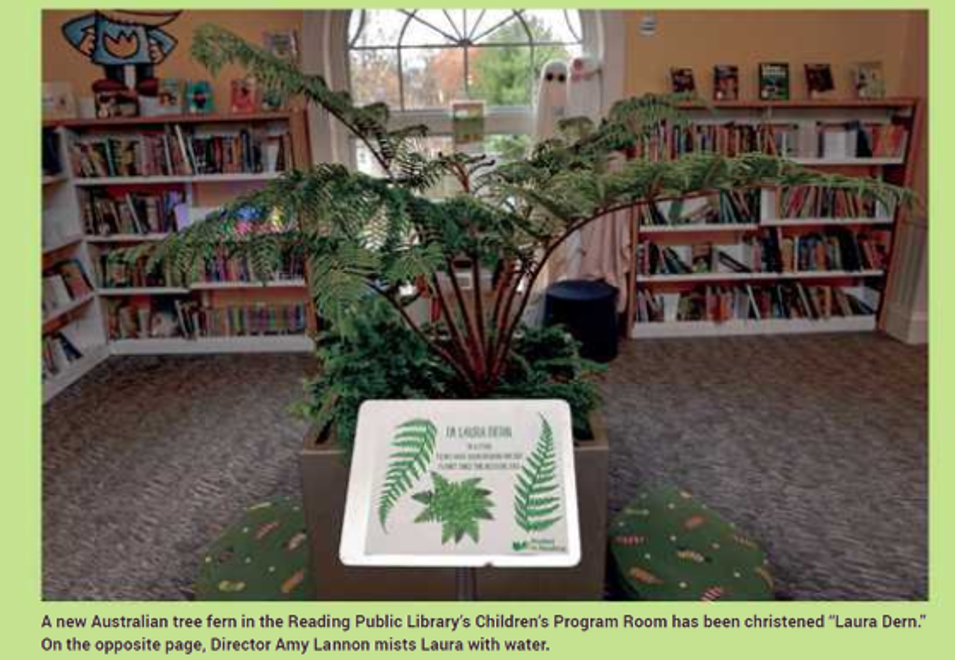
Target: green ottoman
x=263, y=557
x=666, y=545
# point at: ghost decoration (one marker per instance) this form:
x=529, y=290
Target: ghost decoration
x=584, y=89
x=551, y=99
x=583, y=100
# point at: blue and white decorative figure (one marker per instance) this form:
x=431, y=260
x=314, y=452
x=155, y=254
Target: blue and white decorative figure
x=127, y=44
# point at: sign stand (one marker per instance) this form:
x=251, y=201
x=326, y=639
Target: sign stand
x=466, y=583
x=462, y=484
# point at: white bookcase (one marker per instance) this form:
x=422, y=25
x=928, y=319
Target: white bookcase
x=85, y=321
x=866, y=284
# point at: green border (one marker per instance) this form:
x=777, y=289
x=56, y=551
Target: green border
x=20, y=404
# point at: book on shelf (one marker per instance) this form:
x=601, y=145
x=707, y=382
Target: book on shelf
x=244, y=95
x=200, y=99
x=726, y=207
x=224, y=267
x=725, y=82
x=115, y=271
x=790, y=139
x=105, y=213
x=170, y=96
x=182, y=151
x=793, y=202
x=682, y=81
x=774, y=81
x=55, y=293
x=50, y=153
x=869, y=80
x=836, y=249
x=58, y=351
x=63, y=283
x=819, y=80
x=58, y=100
x=753, y=302
x=184, y=318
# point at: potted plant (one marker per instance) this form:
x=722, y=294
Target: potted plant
x=375, y=246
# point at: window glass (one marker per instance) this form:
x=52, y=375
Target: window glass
x=421, y=59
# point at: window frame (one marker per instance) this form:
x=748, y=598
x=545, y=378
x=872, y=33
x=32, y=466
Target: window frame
x=325, y=52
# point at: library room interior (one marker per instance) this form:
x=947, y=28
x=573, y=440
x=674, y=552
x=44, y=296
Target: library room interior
x=703, y=233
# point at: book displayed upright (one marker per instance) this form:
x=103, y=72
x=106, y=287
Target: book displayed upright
x=819, y=81
x=682, y=81
x=869, y=80
x=725, y=82
x=774, y=81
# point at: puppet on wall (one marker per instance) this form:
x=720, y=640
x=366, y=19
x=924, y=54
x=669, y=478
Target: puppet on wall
x=128, y=45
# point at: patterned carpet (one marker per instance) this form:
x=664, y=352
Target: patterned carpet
x=816, y=446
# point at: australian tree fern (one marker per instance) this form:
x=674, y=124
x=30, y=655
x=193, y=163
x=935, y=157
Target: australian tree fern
x=366, y=236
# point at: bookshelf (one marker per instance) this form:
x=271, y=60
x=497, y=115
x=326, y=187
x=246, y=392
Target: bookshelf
x=115, y=183
x=687, y=288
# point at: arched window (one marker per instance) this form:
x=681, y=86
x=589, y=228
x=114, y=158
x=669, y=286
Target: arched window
x=424, y=59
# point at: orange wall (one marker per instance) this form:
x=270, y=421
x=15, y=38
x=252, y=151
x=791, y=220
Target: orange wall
x=62, y=62
x=700, y=39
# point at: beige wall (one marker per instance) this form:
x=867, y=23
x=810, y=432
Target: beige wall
x=62, y=62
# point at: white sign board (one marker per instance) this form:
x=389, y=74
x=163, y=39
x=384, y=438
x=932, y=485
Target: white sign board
x=462, y=483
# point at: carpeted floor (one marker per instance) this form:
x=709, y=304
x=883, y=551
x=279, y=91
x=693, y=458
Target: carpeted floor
x=815, y=445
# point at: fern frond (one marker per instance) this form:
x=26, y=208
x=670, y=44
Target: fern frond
x=415, y=441
x=534, y=505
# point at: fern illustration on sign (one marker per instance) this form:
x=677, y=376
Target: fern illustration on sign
x=458, y=505
x=536, y=499
x=414, y=440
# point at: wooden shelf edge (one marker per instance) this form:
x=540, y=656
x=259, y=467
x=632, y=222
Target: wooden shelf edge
x=205, y=345
x=125, y=238
x=116, y=292
x=887, y=103
x=222, y=118
x=52, y=320
x=169, y=179
x=674, y=329
x=757, y=276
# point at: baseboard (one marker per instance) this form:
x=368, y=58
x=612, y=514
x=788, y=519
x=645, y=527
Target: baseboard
x=910, y=328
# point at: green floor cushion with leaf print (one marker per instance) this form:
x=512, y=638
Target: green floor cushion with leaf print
x=262, y=557
x=666, y=545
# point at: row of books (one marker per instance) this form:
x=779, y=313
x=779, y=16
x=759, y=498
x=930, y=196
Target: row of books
x=115, y=272
x=807, y=139
x=105, y=214
x=225, y=268
x=58, y=353
x=727, y=207
x=821, y=202
x=784, y=300
x=181, y=151
x=835, y=250
x=64, y=283
x=774, y=80
x=183, y=318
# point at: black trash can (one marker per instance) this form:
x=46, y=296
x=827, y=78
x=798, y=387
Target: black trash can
x=588, y=310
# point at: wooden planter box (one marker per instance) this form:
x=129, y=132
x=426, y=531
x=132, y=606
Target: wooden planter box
x=325, y=482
